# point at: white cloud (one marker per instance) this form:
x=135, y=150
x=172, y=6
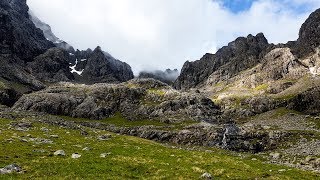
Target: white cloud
x=159, y=34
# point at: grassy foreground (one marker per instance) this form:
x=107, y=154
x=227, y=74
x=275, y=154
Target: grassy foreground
x=128, y=158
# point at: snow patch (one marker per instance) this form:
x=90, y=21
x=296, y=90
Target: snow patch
x=83, y=60
x=73, y=69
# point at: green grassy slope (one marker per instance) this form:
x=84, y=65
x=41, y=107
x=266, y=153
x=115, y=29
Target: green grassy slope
x=130, y=158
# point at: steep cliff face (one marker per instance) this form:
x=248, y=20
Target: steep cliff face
x=239, y=55
x=309, y=36
x=87, y=66
x=32, y=56
x=52, y=66
x=18, y=35
x=98, y=66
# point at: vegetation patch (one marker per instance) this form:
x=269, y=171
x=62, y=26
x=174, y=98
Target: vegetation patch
x=262, y=87
x=118, y=120
x=2, y=86
x=126, y=158
x=159, y=92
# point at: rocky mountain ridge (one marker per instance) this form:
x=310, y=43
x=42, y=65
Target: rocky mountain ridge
x=241, y=54
x=30, y=59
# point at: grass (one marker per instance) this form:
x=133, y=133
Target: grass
x=159, y=92
x=283, y=111
x=2, y=86
x=262, y=87
x=130, y=158
x=118, y=120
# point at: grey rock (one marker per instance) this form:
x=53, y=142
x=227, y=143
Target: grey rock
x=75, y=156
x=206, y=176
x=135, y=99
x=104, y=155
x=19, y=35
x=102, y=67
x=59, y=153
x=307, y=102
x=11, y=169
x=239, y=55
x=309, y=36
x=52, y=66
x=275, y=155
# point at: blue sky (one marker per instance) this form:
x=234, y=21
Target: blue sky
x=237, y=6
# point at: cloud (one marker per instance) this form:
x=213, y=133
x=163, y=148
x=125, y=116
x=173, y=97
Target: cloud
x=160, y=34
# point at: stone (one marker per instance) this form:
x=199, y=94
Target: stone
x=309, y=158
x=206, y=176
x=75, y=156
x=86, y=149
x=44, y=129
x=54, y=136
x=104, y=155
x=316, y=163
x=21, y=126
x=104, y=137
x=59, y=153
x=11, y=169
x=275, y=155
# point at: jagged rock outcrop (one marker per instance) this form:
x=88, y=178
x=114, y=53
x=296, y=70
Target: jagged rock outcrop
x=52, y=66
x=8, y=96
x=18, y=34
x=309, y=36
x=136, y=99
x=99, y=67
x=239, y=55
x=307, y=102
x=168, y=76
x=29, y=58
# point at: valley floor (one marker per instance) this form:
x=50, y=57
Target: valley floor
x=31, y=143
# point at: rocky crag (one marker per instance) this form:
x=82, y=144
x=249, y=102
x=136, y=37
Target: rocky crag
x=32, y=58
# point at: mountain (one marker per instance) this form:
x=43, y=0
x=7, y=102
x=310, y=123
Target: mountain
x=49, y=34
x=98, y=66
x=251, y=76
x=31, y=56
x=250, y=96
x=239, y=55
x=88, y=66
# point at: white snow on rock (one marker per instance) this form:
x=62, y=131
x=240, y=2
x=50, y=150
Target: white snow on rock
x=73, y=69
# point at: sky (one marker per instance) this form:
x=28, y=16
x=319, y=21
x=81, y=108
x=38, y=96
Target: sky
x=161, y=34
